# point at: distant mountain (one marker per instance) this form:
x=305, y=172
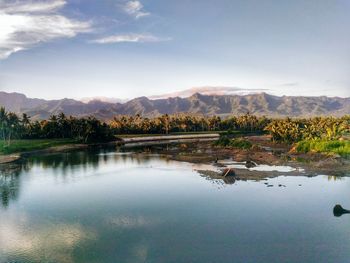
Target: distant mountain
x=42, y=109
x=223, y=105
x=259, y=104
x=67, y=106
x=16, y=101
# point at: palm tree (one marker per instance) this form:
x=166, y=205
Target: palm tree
x=3, y=122
x=13, y=125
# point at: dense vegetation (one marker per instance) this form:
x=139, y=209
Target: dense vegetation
x=314, y=134
x=295, y=130
x=57, y=127
x=186, y=123
x=240, y=143
x=334, y=146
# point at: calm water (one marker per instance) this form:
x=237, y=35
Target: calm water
x=113, y=207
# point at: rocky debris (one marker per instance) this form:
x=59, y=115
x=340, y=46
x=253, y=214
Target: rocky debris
x=250, y=164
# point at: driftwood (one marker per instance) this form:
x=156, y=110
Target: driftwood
x=228, y=172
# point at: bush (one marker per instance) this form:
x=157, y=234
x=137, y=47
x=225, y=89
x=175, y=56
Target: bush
x=241, y=143
x=324, y=146
x=236, y=143
x=223, y=141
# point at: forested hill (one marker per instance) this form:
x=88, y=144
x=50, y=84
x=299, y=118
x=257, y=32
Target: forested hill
x=258, y=104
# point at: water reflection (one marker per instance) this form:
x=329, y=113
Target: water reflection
x=10, y=183
x=136, y=207
x=51, y=242
x=338, y=211
x=335, y=178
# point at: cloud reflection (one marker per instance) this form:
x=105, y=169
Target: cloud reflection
x=51, y=242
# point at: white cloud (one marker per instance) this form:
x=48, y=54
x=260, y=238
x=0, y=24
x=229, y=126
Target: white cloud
x=129, y=38
x=23, y=25
x=32, y=7
x=135, y=8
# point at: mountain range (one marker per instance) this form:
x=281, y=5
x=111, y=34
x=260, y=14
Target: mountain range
x=222, y=105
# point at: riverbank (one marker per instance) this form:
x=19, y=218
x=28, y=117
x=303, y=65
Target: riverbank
x=198, y=148
x=262, y=152
x=20, y=148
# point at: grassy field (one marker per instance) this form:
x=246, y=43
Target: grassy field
x=30, y=145
x=339, y=147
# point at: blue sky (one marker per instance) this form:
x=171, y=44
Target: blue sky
x=125, y=49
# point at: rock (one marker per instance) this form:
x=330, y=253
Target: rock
x=338, y=211
x=250, y=164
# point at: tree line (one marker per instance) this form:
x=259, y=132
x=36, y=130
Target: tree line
x=90, y=129
x=186, y=123
x=317, y=128
x=58, y=126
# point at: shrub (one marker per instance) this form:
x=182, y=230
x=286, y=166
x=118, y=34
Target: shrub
x=241, y=143
x=223, y=141
x=236, y=143
x=325, y=146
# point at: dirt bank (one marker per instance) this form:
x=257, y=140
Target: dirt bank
x=9, y=158
x=4, y=159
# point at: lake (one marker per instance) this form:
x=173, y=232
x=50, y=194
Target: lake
x=111, y=206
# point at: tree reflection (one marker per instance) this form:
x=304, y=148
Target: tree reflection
x=335, y=178
x=61, y=164
x=10, y=183
x=10, y=174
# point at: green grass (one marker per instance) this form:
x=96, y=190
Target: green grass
x=17, y=146
x=241, y=144
x=339, y=147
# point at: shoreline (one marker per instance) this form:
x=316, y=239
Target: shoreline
x=129, y=141
x=264, y=152
x=10, y=158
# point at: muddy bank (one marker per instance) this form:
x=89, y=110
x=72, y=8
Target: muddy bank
x=9, y=158
x=5, y=159
x=263, y=152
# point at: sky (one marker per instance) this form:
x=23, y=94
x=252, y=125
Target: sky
x=124, y=49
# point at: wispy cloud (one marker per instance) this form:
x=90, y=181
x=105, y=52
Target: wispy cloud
x=135, y=9
x=24, y=25
x=129, y=38
x=209, y=90
x=32, y=7
x=289, y=84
